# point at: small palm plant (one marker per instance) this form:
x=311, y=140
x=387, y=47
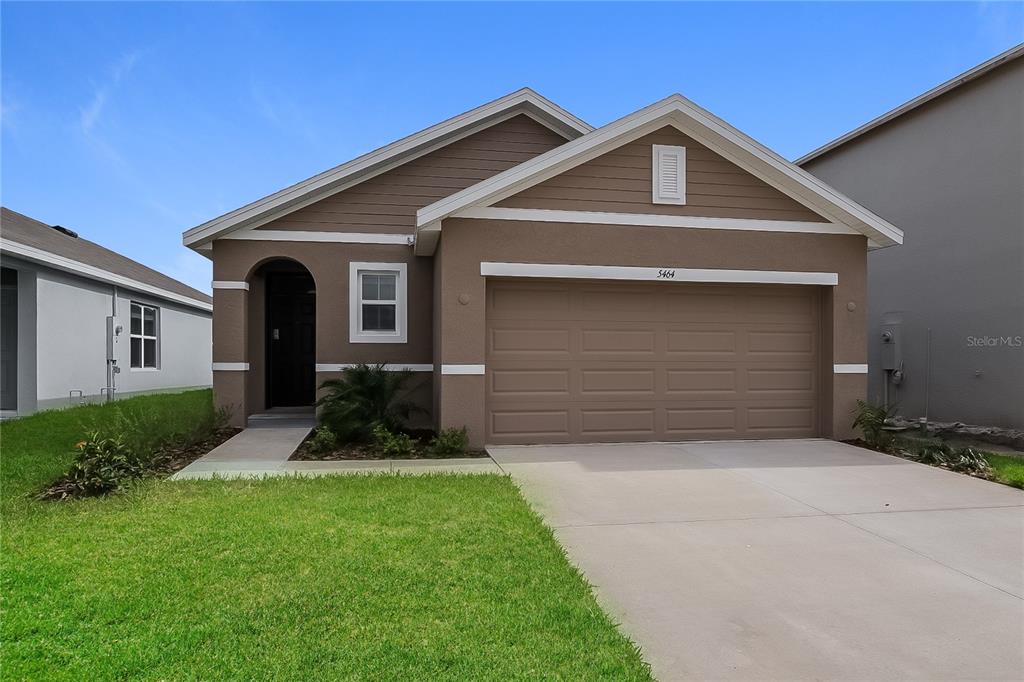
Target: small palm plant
x=366, y=396
x=872, y=420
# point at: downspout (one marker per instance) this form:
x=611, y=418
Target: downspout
x=111, y=347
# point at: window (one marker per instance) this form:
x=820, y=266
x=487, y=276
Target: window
x=669, y=174
x=377, y=302
x=144, y=336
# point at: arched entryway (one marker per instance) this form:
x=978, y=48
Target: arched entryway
x=288, y=333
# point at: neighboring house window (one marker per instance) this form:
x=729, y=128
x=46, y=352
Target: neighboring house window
x=144, y=336
x=669, y=174
x=377, y=307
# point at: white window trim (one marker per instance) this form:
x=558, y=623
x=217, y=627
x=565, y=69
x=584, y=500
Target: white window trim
x=659, y=152
x=155, y=337
x=355, y=333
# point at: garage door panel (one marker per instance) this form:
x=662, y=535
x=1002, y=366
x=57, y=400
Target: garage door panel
x=627, y=362
x=529, y=382
x=522, y=341
x=698, y=382
x=528, y=302
x=623, y=421
x=637, y=382
x=525, y=425
x=701, y=422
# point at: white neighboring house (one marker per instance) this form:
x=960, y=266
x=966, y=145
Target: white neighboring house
x=81, y=323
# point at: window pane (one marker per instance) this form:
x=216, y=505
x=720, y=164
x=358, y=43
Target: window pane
x=370, y=288
x=387, y=287
x=136, y=352
x=379, y=318
x=149, y=356
x=149, y=321
x=136, y=319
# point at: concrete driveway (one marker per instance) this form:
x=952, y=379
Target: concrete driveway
x=803, y=559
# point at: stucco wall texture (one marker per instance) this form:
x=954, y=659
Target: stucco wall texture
x=951, y=175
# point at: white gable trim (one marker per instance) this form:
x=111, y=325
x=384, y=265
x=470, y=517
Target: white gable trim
x=35, y=255
x=360, y=169
x=544, y=215
x=691, y=120
x=249, y=234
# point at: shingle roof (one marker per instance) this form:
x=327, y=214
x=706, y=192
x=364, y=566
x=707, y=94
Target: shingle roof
x=20, y=229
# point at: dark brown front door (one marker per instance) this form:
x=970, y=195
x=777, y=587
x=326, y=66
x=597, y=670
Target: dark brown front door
x=291, y=340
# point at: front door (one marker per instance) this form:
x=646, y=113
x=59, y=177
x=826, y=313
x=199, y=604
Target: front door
x=291, y=340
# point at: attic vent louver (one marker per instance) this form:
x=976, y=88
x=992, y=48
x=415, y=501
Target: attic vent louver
x=669, y=174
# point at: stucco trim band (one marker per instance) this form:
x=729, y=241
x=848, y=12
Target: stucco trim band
x=462, y=369
x=850, y=369
x=665, y=274
x=317, y=236
x=223, y=284
x=336, y=367
x=231, y=367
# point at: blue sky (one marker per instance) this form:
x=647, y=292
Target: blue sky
x=133, y=122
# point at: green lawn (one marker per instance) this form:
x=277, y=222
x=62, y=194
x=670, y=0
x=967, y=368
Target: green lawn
x=374, y=577
x=1007, y=469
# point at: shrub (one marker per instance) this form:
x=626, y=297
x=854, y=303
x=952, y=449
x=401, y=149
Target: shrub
x=323, y=440
x=103, y=464
x=871, y=420
x=961, y=460
x=365, y=397
x=450, y=442
x=392, y=444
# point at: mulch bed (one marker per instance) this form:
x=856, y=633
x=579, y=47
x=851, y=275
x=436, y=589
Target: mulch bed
x=904, y=453
x=365, y=451
x=166, y=461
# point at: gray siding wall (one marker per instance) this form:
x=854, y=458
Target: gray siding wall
x=951, y=175
x=62, y=340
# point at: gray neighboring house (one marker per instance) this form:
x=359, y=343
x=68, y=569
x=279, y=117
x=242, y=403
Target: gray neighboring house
x=80, y=322
x=948, y=168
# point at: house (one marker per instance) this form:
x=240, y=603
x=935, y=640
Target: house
x=945, y=311
x=83, y=323
x=663, y=277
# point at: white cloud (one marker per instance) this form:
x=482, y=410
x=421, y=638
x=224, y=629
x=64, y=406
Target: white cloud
x=89, y=115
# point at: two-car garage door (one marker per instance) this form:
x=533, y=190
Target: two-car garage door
x=572, y=361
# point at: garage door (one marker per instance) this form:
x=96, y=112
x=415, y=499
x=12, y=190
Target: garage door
x=571, y=361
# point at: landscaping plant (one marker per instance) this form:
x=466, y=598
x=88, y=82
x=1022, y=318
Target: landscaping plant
x=103, y=464
x=323, y=440
x=393, y=444
x=365, y=396
x=961, y=460
x=450, y=441
x=872, y=420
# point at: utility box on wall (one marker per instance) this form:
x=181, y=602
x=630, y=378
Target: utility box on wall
x=114, y=330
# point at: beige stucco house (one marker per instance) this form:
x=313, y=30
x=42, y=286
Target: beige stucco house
x=663, y=277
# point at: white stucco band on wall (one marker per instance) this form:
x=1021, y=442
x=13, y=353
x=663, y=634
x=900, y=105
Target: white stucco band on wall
x=849, y=369
x=664, y=274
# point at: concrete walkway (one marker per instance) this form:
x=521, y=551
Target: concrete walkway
x=790, y=559
x=264, y=447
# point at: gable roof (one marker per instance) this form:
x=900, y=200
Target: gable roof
x=523, y=101
x=939, y=90
x=692, y=120
x=38, y=242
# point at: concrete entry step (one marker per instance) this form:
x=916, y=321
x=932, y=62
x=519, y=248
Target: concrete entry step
x=278, y=417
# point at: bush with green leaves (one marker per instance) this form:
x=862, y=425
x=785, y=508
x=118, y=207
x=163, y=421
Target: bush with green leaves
x=962, y=460
x=392, y=444
x=323, y=440
x=364, y=397
x=450, y=441
x=103, y=464
x=872, y=420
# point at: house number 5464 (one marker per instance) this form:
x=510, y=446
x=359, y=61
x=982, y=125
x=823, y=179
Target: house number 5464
x=666, y=274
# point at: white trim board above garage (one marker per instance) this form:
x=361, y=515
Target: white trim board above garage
x=663, y=274
x=691, y=120
x=360, y=169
